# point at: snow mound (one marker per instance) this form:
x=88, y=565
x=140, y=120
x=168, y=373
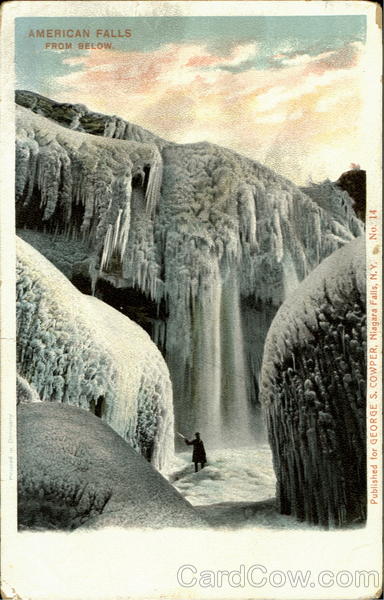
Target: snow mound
x=314, y=392
x=75, y=471
x=77, y=350
x=231, y=475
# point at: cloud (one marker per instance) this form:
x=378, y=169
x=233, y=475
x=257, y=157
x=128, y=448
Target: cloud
x=240, y=54
x=188, y=92
x=344, y=57
x=309, y=84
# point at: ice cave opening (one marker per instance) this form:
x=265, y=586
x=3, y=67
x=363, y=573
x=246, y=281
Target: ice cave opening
x=97, y=407
x=132, y=302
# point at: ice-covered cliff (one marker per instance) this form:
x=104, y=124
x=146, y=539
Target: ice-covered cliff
x=80, y=185
x=77, y=350
x=212, y=240
x=313, y=388
x=80, y=118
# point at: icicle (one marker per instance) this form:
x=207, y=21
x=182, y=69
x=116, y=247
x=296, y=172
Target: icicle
x=120, y=129
x=279, y=244
x=110, y=127
x=152, y=195
x=107, y=248
x=116, y=229
x=247, y=210
x=124, y=231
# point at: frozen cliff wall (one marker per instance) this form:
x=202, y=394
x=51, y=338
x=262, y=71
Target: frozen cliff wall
x=237, y=239
x=74, y=471
x=313, y=390
x=212, y=241
x=336, y=200
x=76, y=350
x=80, y=186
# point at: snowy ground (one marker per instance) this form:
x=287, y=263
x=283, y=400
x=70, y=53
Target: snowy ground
x=231, y=475
x=236, y=489
x=235, y=493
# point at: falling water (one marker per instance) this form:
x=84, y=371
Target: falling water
x=235, y=411
x=216, y=372
x=206, y=381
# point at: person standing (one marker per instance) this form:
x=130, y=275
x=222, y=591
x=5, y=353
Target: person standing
x=198, y=454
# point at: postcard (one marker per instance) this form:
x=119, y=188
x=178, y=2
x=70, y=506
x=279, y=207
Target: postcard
x=191, y=300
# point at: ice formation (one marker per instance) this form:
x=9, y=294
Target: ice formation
x=84, y=183
x=74, y=471
x=75, y=349
x=329, y=196
x=215, y=237
x=80, y=118
x=25, y=393
x=313, y=388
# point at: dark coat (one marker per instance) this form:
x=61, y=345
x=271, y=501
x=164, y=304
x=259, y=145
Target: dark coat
x=198, y=455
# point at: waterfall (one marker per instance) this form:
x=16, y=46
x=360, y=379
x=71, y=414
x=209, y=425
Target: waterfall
x=216, y=372
x=235, y=409
x=215, y=239
x=206, y=360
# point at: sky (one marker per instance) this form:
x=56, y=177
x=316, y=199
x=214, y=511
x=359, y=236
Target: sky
x=286, y=91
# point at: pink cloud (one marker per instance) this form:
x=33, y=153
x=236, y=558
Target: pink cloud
x=203, y=61
x=183, y=92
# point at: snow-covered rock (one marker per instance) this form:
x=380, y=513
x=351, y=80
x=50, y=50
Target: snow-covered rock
x=74, y=470
x=313, y=388
x=75, y=349
x=25, y=392
x=219, y=245
x=80, y=118
x=336, y=201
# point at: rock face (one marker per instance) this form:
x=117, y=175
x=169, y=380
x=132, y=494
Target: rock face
x=338, y=197
x=354, y=182
x=74, y=349
x=209, y=241
x=313, y=392
x=75, y=471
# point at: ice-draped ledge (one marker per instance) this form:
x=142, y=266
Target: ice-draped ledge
x=228, y=241
x=74, y=174
x=313, y=389
x=80, y=118
x=75, y=349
